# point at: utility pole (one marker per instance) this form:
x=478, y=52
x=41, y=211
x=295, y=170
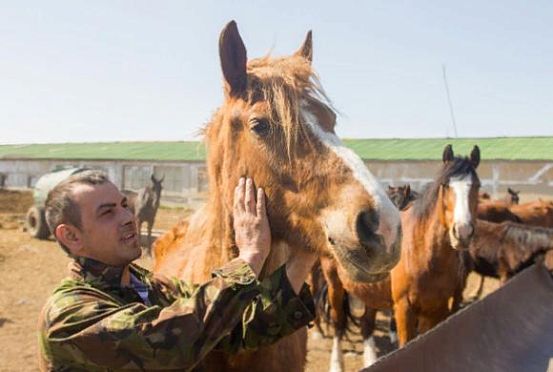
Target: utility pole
x=449, y=102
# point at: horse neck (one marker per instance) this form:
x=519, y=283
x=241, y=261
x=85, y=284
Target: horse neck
x=156, y=198
x=433, y=235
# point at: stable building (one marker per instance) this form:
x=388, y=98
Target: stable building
x=522, y=163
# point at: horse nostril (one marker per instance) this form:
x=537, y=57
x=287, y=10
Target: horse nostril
x=367, y=225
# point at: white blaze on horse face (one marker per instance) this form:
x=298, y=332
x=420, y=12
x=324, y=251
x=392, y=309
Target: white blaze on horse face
x=387, y=212
x=462, y=217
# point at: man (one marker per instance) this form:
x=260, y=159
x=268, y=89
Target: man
x=111, y=314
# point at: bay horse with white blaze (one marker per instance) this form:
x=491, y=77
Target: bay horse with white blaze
x=277, y=127
x=427, y=282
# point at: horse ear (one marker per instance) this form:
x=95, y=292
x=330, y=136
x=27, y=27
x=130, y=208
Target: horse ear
x=407, y=190
x=306, y=49
x=447, y=156
x=232, y=53
x=153, y=178
x=475, y=156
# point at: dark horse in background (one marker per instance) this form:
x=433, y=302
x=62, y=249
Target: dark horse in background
x=501, y=250
x=146, y=206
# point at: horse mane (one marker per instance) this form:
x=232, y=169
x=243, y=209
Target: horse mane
x=459, y=166
x=285, y=83
x=535, y=238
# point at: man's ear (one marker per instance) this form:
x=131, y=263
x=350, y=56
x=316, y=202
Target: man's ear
x=70, y=237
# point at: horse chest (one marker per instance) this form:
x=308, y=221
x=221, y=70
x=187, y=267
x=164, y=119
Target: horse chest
x=438, y=280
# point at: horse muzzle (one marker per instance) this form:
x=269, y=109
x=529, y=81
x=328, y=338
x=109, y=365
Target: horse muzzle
x=461, y=235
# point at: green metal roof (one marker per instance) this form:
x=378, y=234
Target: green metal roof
x=177, y=151
x=504, y=148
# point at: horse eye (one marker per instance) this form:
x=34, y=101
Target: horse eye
x=261, y=127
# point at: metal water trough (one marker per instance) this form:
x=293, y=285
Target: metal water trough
x=509, y=330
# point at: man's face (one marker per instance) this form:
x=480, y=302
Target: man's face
x=108, y=230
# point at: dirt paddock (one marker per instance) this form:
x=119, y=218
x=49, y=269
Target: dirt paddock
x=30, y=269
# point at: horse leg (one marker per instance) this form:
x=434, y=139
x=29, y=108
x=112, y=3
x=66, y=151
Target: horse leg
x=406, y=321
x=368, y=323
x=428, y=320
x=314, y=281
x=392, y=331
x=337, y=315
x=457, y=299
x=478, y=293
x=149, y=246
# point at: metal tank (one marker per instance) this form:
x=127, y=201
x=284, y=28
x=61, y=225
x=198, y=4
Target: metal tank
x=35, y=220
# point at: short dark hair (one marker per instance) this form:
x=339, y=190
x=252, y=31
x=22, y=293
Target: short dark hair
x=60, y=207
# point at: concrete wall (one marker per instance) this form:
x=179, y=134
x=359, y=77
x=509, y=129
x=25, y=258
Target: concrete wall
x=530, y=177
x=187, y=182
x=184, y=182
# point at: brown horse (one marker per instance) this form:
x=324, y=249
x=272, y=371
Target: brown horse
x=536, y=213
x=367, y=299
x=511, y=198
x=502, y=250
x=402, y=196
x=277, y=126
x=427, y=282
x=496, y=211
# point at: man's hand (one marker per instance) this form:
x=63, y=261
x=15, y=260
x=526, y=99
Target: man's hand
x=251, y=226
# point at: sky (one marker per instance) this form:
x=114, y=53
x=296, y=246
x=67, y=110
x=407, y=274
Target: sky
x=81, y=71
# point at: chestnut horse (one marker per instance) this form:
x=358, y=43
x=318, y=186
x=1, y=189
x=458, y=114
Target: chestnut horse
x=536, y=213
x=498, y=210
x=511, y=198
x=427, y=282
x=276, y=126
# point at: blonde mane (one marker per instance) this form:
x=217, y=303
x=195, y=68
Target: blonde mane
x=284, y=83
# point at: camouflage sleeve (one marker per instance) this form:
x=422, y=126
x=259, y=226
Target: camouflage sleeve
x=87, y=329
x=276, y=312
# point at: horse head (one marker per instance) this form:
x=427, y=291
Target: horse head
x=156, y=188
x=276, y=125
x=459, y=185
x=401, y=196
x=512, y=196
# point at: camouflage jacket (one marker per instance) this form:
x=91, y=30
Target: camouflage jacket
x=91, y=322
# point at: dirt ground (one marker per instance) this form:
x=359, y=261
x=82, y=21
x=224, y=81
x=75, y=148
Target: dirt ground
x=30, y=269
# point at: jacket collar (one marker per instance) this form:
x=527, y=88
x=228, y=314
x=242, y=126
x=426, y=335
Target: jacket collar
x=96, y=273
